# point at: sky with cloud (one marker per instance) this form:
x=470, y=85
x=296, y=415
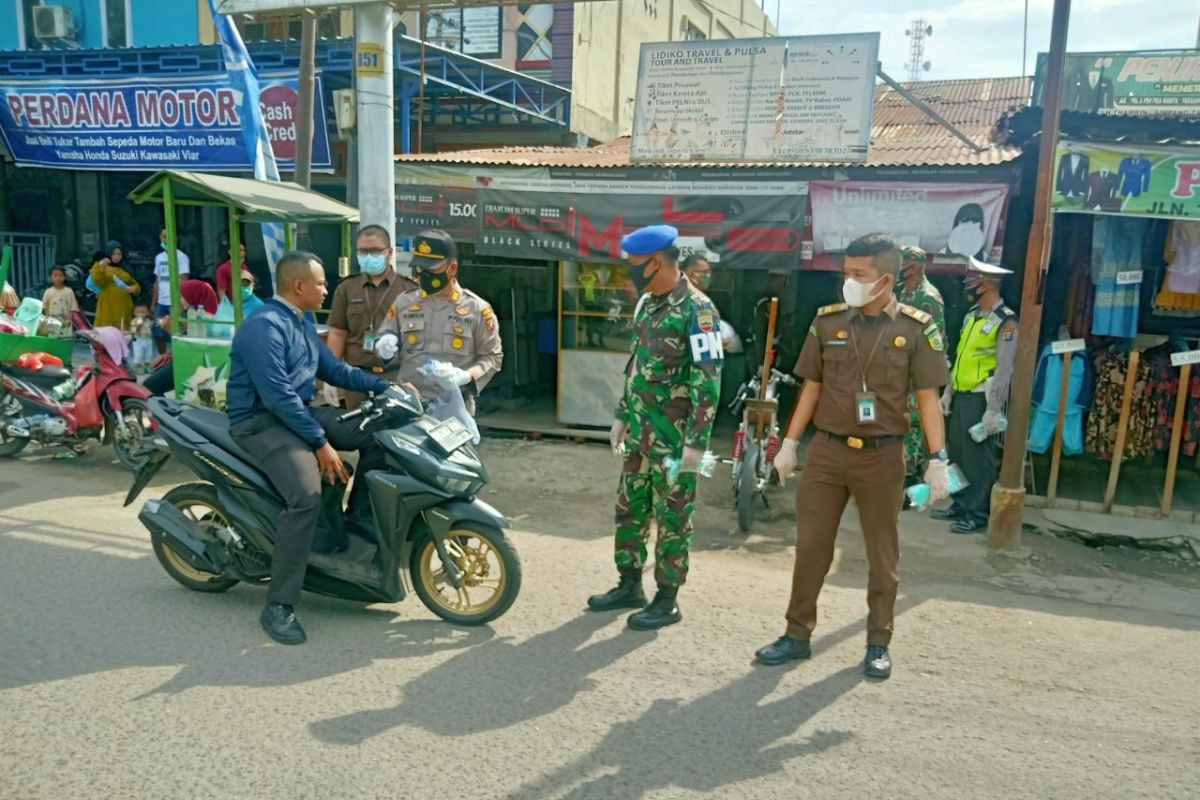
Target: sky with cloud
x=982, y=38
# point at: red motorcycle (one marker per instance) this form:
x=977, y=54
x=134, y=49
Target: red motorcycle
x=52, y=406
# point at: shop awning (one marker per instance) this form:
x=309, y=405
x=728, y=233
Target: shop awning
x=256, y=201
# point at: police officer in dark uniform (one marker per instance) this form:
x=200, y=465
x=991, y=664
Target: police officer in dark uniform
x=978, y=392
x=359, y=306
x=860, y=360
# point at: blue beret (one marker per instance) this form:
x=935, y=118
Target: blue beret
x=650, y=239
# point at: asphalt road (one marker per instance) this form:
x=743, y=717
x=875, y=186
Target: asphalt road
x=1063, y=673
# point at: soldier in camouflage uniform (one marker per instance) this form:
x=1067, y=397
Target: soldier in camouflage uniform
x=917, y=291
x=672, y=387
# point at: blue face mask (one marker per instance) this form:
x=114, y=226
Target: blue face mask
x=372, y=264
x=247, y=293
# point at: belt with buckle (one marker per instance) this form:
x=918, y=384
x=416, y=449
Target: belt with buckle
x=859, y=443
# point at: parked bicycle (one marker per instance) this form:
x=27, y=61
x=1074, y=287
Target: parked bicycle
x=755, y=443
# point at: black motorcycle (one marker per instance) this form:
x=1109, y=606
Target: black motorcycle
x=209, y=536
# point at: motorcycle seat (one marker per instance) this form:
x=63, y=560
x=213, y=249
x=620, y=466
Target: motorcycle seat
x=45, y=375
x=215, y=427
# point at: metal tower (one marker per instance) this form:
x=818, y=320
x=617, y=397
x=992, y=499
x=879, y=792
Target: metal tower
x=917, y=32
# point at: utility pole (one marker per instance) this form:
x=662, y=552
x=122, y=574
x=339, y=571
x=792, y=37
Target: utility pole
x=1008, y=494
x=374, y=69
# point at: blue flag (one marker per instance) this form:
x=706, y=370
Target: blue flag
x=243, y=78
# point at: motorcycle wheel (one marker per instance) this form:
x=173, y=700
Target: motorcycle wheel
x=137, y=422
x=10, y=445
x=491, y=574
x=747, y=480
x=198, y=502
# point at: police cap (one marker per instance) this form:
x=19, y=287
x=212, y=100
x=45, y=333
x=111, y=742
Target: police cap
x=986, y=270
x=651, y=239
x=431, y=248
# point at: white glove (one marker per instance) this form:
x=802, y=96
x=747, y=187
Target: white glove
x=991, y=421
x=785, y=460
x=387, y=346
x=690, y=461
x=935, y=476
x=945, y=401
x=330, y=394
x=616, y=436
x=449, y=373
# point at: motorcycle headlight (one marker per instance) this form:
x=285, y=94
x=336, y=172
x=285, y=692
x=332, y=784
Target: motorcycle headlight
x=455, y=479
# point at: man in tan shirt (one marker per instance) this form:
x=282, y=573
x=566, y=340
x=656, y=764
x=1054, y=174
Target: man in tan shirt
x=359, y=306
x=443, y=322
x=860, y=361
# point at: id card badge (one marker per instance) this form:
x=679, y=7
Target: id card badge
x=865, y=404
x=369, y=342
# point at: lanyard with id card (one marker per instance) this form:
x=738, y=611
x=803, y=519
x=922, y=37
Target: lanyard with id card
x=864, y=401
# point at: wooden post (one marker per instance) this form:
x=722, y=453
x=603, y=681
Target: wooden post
x=1008, y=494
x=1056, y=453
x=1114, y=469
x=768, y=360
x=1185, y=380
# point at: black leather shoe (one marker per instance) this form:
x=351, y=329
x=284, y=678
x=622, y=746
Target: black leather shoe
x=877, y=664
x=951, y=513
x=659, y=614
x=280, y=623
x=783, y=650
x=969, y=526
x=626, y=594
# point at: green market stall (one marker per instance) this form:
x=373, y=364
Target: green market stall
x=202, y=362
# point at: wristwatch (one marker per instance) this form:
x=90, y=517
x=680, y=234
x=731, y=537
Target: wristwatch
x=940, y=455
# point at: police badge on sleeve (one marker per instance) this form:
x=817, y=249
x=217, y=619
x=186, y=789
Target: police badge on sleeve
x=705, y=337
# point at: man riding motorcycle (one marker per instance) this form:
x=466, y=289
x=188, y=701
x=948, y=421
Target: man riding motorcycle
x=275, y=359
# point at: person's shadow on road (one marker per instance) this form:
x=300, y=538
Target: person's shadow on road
x=716, y=740
x=518, y=681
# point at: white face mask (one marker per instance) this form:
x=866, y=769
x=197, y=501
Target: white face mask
x=859, y=294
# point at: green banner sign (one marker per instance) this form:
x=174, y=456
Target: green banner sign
x=1151, y=83
x=201, y=370
x=1139, y=181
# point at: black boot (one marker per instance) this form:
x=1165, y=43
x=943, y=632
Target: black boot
x=628, y=593
x=660, y=613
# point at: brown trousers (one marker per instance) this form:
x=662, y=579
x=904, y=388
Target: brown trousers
x=833, y=473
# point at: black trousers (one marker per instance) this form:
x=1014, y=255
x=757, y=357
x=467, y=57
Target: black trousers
x=292, y=468
x=979, y=461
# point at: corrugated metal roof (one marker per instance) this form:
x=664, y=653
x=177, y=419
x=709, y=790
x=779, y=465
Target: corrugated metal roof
x=902, y=135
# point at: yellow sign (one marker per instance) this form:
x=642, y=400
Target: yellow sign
x=368, y=59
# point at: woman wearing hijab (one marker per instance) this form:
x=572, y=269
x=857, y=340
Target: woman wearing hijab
x=117, y=288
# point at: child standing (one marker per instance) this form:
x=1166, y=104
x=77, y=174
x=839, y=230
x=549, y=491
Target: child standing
x=59, y=300
x=142, y=329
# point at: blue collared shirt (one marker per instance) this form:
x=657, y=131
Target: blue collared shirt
x=275, y=360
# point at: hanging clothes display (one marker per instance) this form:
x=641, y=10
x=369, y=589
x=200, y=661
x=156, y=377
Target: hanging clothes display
x=1047, y=388
x=1181, y=287
x=1164, y=390
x=1100, y=436
x=1116, y=247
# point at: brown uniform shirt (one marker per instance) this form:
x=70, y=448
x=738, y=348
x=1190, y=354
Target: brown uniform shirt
x=359, y=306
x=908, y=357
x=461, y=329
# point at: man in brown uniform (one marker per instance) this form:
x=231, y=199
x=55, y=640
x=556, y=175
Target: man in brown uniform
x=858, y=363
x=443, y=322
x=359, y=306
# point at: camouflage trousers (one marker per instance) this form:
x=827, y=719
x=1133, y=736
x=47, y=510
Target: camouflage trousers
x=916, y=454
x=645, y=496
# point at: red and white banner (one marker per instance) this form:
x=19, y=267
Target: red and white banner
x=951, y=220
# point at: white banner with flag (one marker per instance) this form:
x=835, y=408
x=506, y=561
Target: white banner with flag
x=244, y=80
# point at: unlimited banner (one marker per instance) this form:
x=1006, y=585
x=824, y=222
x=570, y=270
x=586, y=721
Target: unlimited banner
x=752, y=225
x=139, y=124
x=1138, y=181
x=949, y=219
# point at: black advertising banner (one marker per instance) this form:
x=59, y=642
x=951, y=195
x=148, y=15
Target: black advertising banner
x=450, y=208
x=741, y=225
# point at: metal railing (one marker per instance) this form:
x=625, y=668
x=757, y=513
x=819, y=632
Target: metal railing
x=33, y=255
